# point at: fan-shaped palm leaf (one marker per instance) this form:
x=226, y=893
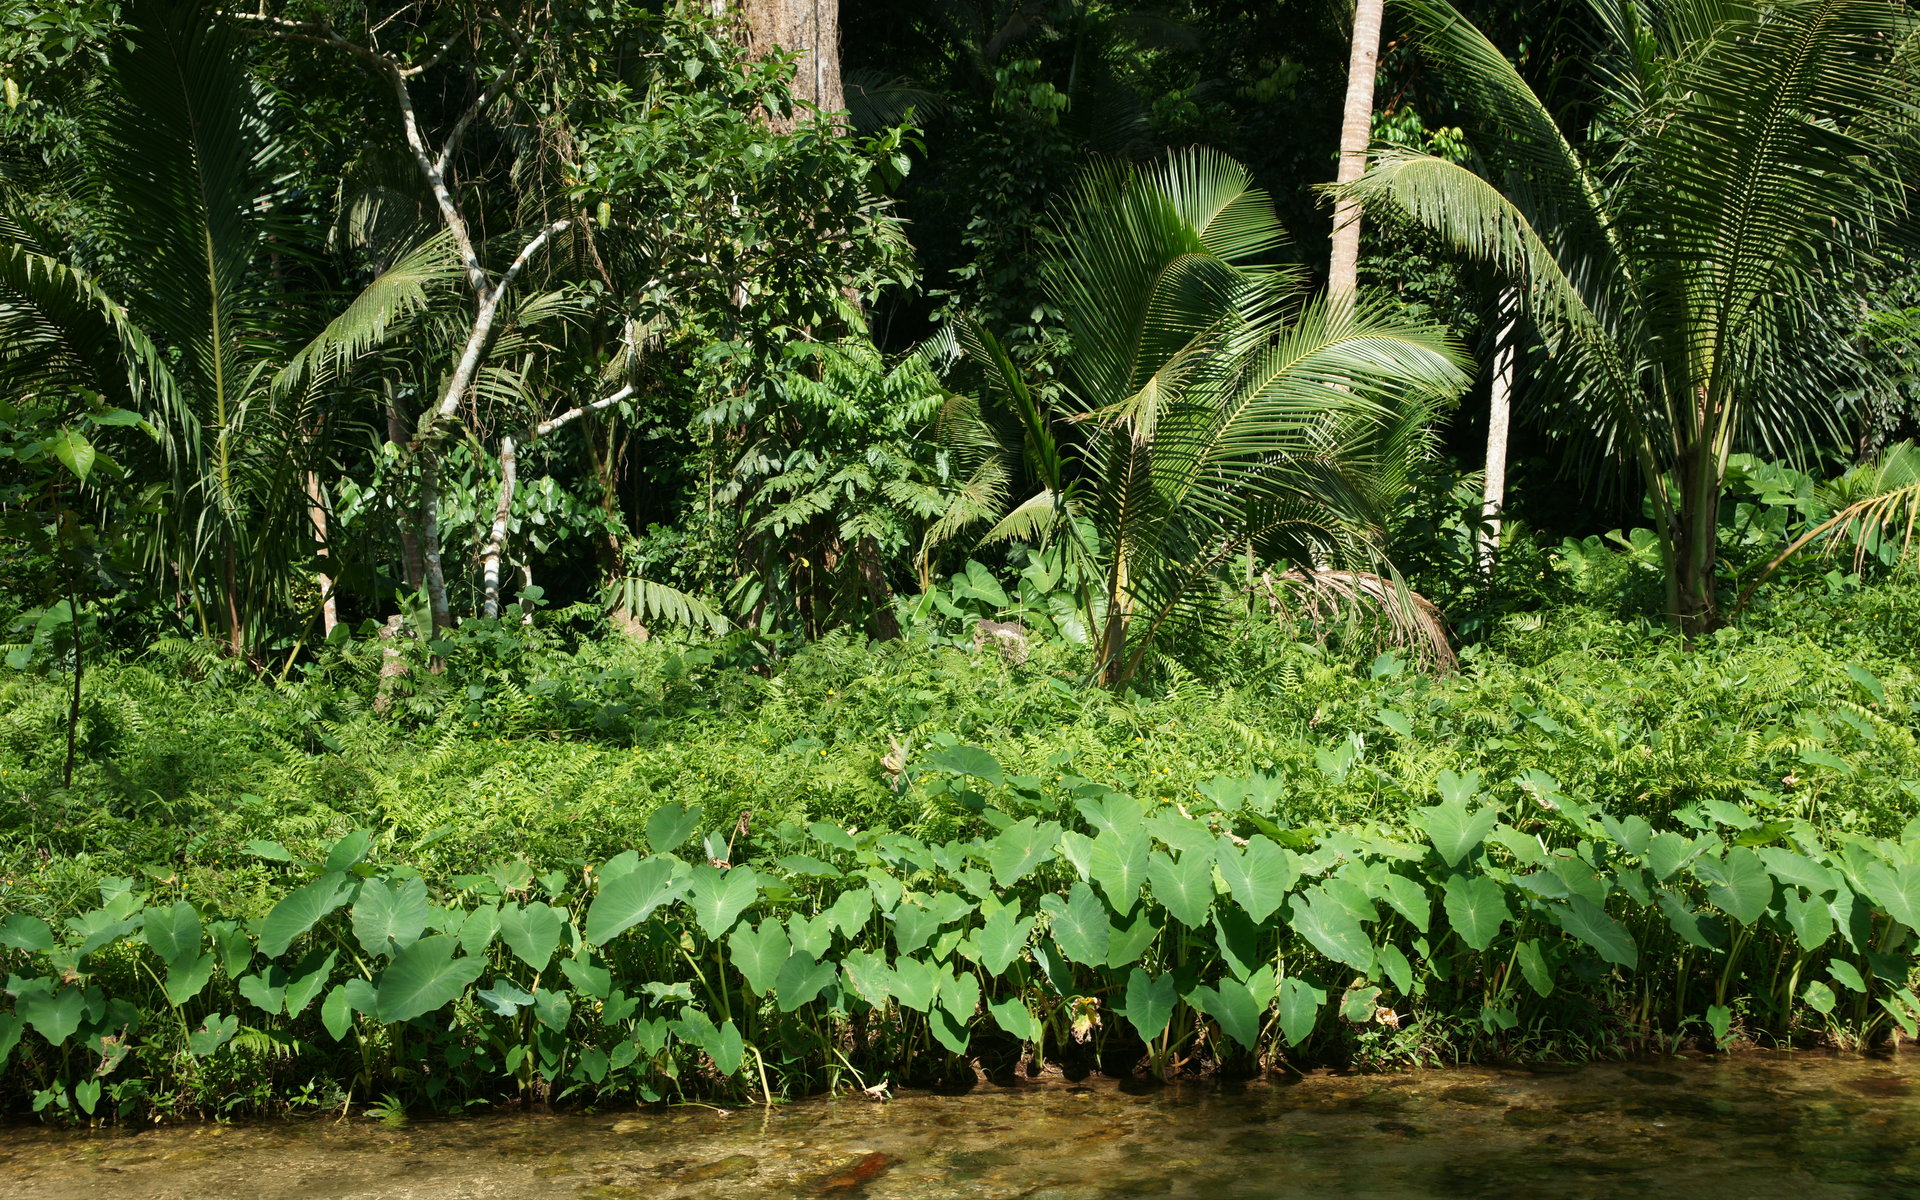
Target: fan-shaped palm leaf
x=1756, y=150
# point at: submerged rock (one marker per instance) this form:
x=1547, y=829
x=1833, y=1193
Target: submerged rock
x=853, y=1178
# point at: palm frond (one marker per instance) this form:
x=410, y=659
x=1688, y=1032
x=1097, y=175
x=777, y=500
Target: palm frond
x=383, y=308
x=60, y=331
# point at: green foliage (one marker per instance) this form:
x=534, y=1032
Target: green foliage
x=1587, y=833
x=1562, y=912
x=1675, y=257
x=1205, y=418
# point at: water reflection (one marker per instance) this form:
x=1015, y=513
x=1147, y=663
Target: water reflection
x=1807, y=1127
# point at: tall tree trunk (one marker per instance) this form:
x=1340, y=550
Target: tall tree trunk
x=497, y=536
x=1493, y=495
x=1691, y=596
x=236, y=635
x=873, y=581
x=439, y=612
x=810, y=29
x=1356, y=133
x=317, y=512
x=411, y=559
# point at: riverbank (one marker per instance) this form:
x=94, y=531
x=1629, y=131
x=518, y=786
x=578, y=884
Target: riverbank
x=811, y=881
x=1742, y=1127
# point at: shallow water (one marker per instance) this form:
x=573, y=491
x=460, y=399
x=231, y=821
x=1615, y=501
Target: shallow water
x=1805, y=1126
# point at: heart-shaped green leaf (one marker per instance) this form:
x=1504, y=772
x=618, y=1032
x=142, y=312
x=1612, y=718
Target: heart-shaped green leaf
x=759, y=953
x=1149, y=1003
x=532, y=932
x=1454, y=830
x=629, y=899
x=1079, y=925
x=671, y=824
x=424, y=977
x=1184, y=886
x=172, y=933
x=389, y=917
x=1590, y=923
x=1748, y=887
x=1260, y=876
x=1476, y=908
x=300, y=910
x=719, y=897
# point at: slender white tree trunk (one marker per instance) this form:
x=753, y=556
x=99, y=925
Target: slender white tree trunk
x=1356, y=133
x=1499, y=417
x=509, y=481
x=497, y=536
x=317, y=511
x=439, y=612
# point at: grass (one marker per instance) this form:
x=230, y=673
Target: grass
x=558, y=752
x=527, y=773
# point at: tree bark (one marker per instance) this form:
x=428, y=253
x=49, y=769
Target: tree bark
x=1356, y=133
x=411, y=560
x=873, y=581
x=317, y=512
x=439, y=612
x=1493, y=494
x=1691, y=589
x=810, y=29
x=497, y=536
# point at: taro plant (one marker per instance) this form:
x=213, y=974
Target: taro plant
x=1134, y=933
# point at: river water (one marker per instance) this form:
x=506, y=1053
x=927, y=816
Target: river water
x=1808, y=1127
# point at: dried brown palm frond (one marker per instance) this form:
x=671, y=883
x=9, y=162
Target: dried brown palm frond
x=1400, y=616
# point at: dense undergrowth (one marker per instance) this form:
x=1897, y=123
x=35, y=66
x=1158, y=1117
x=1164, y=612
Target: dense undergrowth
x=596, y=871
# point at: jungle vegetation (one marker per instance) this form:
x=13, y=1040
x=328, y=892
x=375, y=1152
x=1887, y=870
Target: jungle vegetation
x=653, y=550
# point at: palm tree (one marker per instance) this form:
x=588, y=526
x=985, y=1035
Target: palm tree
x=1205, y=412
x=1356, y=133
x=1744, y=156
x=187, y=326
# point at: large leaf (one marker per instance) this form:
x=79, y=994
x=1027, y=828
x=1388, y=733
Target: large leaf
x=1747, y=887
x=631, y=898
x=913, y=925
x=173, y=933
x=23, y=932
x=671, y=824
x=1119, y=865
x=1332, y=929
x=187, y=977
x=388, y=917
x=1590, y=923
x=1150, y=1001
x=1233, y=1005
x=1455, y=831
x=1020, y=848
x=1002, y=938
x=1259, y=876
x=1476, y=908
x=1898, y=891
x=424, y=977
x=915, y=983
x=1184, y=886
x=54, y=1013
x=801, y=978
x=1079, y=924
x=1300, y=1005
x=719, y=897
x=759, y=954
x=868, y=977
x=300, y=910
x=532, y=932
x=1811, y=922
